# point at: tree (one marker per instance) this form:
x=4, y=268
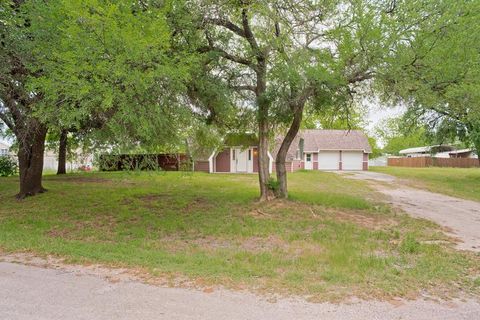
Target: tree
x=17, y=102
x=437, y=70
x=279, y=56
x=85, y=66
x=402, y=133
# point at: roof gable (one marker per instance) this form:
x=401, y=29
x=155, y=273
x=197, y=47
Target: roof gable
x=318, y=139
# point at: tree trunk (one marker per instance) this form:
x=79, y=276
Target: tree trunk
x=62, y=153
x=30, y=160
x=282, y=152
x=263, y=160
x=263, y=130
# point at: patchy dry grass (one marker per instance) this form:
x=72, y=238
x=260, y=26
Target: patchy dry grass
x=328, y=242
x=457, y=182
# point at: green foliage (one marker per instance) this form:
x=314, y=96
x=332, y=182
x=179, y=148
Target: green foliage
x=108, y=65
x=8, y=166
x=400, y=133
x=376, y=151
x=409, y=245
x=436, y=73
x=273, y=184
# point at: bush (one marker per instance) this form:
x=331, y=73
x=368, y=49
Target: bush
x=273, y=184
x=8, y=167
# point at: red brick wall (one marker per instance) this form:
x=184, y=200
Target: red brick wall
x=297, y=165
x=365, y=161
x=201, y=166
x=222, y=161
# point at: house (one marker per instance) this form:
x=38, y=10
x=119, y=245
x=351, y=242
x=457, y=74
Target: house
x=425, y=151
x=239, y=155
x=438, y=151
x=4, y=149
x=462, y=153
x=313, y=149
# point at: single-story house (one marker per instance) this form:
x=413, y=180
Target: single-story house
x=462, y=153
x=425, y=151
x=438, y=151
x=312, y=149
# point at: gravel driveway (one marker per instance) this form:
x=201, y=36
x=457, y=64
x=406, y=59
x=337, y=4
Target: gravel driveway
x=460, y=217
x=35, y=293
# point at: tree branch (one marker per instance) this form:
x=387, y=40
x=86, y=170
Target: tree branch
x=248, y=32
x=226, y=55
x=243, y=87
x=226, y=24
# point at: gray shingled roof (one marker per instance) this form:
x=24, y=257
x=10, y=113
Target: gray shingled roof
x=318, y=139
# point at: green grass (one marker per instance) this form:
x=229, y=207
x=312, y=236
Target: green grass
x=458, y=182
x=327, y=242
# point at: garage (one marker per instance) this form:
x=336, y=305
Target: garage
x=352, y=160
x=328, y=160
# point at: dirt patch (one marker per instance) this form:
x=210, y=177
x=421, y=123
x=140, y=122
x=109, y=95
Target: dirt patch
x=249, y=244
x=198, y=204
x=157, y=201
x=371, y=222
x=79, y=179
x=85, y=230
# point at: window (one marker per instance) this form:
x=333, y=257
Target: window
x=309, y=157
x=249, y=154
x=3, y=152
x=233, y=154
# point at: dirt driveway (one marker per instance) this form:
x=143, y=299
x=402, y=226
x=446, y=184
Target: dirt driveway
x=460, y=217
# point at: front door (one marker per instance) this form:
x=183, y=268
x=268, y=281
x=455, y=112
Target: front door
x=241, y=160
x=308, y=161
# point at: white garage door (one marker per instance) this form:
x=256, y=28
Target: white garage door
x=352, y=160
x=328, y=160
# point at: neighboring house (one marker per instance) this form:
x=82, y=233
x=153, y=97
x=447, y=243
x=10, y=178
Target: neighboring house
x=81, y=160
x=311, y=150
x=438, y=151
x=462, y=153
x=4, y=149
x=425, y=151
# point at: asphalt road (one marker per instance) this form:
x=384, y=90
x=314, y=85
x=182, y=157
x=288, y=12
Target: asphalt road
x=32, y=292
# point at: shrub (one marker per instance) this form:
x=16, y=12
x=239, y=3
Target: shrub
x=8, y=167
x=273, y=184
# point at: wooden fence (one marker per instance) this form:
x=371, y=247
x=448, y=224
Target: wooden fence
x=422, y=162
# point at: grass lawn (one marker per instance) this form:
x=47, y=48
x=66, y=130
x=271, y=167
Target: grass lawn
x=458, y=182
x=330, y=241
